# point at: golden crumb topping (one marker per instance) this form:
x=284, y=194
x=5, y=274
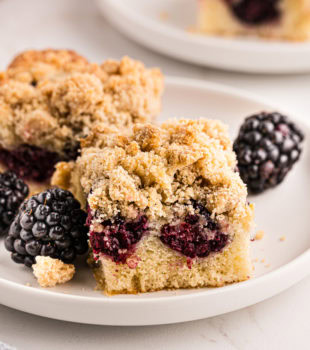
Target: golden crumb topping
x=159, y=170
x=51, y=98
x=50, y=272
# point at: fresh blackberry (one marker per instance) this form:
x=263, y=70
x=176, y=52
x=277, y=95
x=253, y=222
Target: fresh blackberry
x=267, y=147
x=50, y=223
x=13, y=191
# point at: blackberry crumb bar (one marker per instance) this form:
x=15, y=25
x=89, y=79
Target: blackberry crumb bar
x=50, y=99
x=166, y=208
x=277, y=19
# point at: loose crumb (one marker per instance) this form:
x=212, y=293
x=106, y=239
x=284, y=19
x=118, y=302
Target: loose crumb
x=164, y=16
x=282, y=238
x=191, y=30
x=267, y=265
x=262, y=261
x=28, y=284
x=50, y=272
x=259, y=235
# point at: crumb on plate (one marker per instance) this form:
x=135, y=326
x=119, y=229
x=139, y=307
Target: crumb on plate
x=259, y=235
x=50, y=272
x=163, y=15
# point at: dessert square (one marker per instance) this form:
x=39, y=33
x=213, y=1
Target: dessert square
x=166, y=207
x=51, y=99
x=276, y=19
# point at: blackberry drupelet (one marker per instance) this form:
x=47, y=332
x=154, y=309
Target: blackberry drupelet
x=50, y=223
x=267, y=147
x=13, y=191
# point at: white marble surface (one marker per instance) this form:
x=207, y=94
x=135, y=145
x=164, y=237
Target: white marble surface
x=279, y=323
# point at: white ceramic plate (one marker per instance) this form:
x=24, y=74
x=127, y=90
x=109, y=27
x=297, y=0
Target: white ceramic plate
x=161, y=25
x=283, y=211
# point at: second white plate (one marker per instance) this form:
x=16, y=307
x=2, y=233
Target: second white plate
x=161, y=25
x=283, y=211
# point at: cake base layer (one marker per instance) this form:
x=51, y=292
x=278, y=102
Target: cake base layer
x=154, y=266
x=215, y=17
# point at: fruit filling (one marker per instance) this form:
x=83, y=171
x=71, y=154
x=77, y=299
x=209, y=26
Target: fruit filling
x=255, y=12
x=31, y=162
x=195, y=236
x=117, y=239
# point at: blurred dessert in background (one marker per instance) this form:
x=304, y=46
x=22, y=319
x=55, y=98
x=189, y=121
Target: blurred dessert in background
x=273, y=19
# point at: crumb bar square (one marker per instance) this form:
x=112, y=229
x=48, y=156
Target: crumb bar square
x=51, y=99
x=166, y=207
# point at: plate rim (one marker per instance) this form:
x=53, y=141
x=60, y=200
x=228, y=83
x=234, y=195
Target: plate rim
x=160, y=27
x=235, y=44
x=296, y=264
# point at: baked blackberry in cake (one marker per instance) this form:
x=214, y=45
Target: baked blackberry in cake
x=51, y=99
x=277, y=19
x=166, y=208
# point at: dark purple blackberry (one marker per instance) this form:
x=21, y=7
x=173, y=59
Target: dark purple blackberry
x=71, y=151
x=35, y=163
x=267, y=147
x=13, y=191
x=118, y=239
x=30, y=162
x=196, y=236
x=50, y=223
x=255, y=12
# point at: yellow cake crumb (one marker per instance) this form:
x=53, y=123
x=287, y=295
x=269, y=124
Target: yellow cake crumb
x=259, y=235
x=50, y=272
x=282, y=238
x=164, y=16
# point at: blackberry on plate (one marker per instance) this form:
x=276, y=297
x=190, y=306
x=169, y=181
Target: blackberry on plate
x=13, y=191
x=50, y=223
x=267, y=147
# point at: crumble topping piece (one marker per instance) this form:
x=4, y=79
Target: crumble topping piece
x=51, y=98
x=50, y=272
x=156, y=167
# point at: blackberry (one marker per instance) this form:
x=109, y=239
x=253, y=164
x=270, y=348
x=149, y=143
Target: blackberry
x=50, y=223
x=267, y=147
x=255, y=12
x=197, y=235
x=30, y=162
x=13, y=191
x=35, y=163
x=118, y=239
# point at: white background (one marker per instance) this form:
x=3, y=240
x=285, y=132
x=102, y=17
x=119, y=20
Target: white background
x=279, y=323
